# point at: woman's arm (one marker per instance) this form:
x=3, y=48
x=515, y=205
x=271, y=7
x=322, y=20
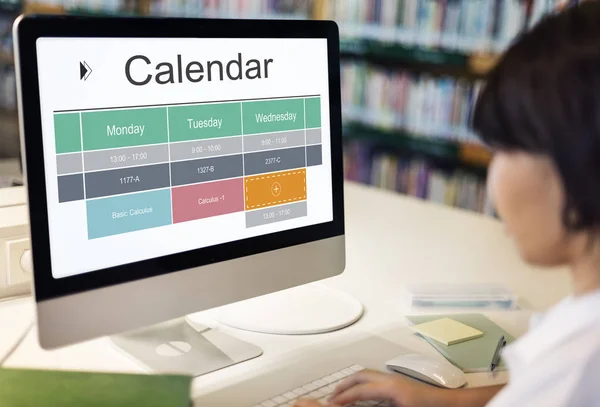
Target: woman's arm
x=405, y=392
x=476, y=397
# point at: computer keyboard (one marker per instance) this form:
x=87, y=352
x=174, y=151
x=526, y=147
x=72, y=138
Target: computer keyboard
x=320, y=389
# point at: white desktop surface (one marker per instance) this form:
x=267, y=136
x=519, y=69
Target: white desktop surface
x=391, y=240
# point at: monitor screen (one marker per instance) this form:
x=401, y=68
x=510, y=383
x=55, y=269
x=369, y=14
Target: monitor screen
x=156, y=146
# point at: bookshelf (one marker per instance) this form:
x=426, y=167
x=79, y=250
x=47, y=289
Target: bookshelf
x=411, y=73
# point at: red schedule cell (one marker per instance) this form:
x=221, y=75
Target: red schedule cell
x=207, y=199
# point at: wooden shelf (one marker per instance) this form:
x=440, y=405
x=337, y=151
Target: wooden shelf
x=142, y=8
x=474, y=154
x=43, y=8
x=483, y=63
x=469, y=154
x=399, y=54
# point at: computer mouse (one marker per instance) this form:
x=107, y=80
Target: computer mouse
x=430, y=370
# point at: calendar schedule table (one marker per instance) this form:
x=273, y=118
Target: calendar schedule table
x=143, y=167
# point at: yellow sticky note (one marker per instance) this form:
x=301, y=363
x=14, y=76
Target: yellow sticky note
x=448, y=331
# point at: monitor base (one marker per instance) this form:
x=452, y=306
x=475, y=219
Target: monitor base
x=180, y=347
x=303, y=310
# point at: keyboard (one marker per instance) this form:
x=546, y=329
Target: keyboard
x=320, y=389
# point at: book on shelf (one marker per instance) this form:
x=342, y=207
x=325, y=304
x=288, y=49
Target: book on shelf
x=415, y=177
x=194, y=8
x=102, y=6
x=465, y=25
x=421, y=104
x=263, y=9
x=8, y=86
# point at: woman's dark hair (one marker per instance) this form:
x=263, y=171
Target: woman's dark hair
x=543, y=97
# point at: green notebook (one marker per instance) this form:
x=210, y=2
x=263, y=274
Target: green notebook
x=24, y=388
x=474, y=355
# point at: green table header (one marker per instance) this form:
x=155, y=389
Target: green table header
x=313, y=112
x=67, y=133
x=273, y=115
x=199, y=122
x=124, y=128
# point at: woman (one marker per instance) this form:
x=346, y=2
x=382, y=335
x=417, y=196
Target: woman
x=540, y=112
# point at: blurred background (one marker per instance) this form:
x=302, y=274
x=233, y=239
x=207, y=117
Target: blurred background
x=411, y=72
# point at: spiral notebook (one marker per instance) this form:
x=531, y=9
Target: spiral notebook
x=474, y=355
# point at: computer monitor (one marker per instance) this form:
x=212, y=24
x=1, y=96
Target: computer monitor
x=175, y=165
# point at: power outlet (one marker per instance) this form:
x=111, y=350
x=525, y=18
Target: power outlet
x=14, y=243
x=16, y=253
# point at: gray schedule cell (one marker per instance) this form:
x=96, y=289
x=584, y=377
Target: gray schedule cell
x=69, y=163
x=188, y=150
x=70, y=188
x=276, y=214
x=274, y=160
x=207, y=169
x=314, y=155
x=313, y=136
x=268, y=141
x=126, y=157
x=124, y=180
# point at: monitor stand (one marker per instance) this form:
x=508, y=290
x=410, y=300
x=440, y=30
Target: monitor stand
x=183, y=347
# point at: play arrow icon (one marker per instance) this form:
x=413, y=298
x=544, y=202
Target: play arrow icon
x=84, y=71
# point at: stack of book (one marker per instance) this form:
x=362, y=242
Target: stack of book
x=416, y=177
x=8, y=91
x=466, y=25
x=263, y=9
x=95, y=6
x=10, y=5
x=8, y=88
x=419, y=104
x=9, y=132
x=460, y=296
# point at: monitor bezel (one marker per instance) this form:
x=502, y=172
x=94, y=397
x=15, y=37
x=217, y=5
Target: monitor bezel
x=30, y=28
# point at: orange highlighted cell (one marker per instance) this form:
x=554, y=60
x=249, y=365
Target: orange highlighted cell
x=275, y=188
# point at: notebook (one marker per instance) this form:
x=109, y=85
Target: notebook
x=22, y=387
x=447, y=331
x=474, y=355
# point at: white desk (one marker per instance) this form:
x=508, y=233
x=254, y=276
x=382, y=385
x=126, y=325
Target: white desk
x=391, y=240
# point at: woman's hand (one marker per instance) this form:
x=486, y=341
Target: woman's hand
x=311, y=403
x=372, y=385
x=400, y=390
